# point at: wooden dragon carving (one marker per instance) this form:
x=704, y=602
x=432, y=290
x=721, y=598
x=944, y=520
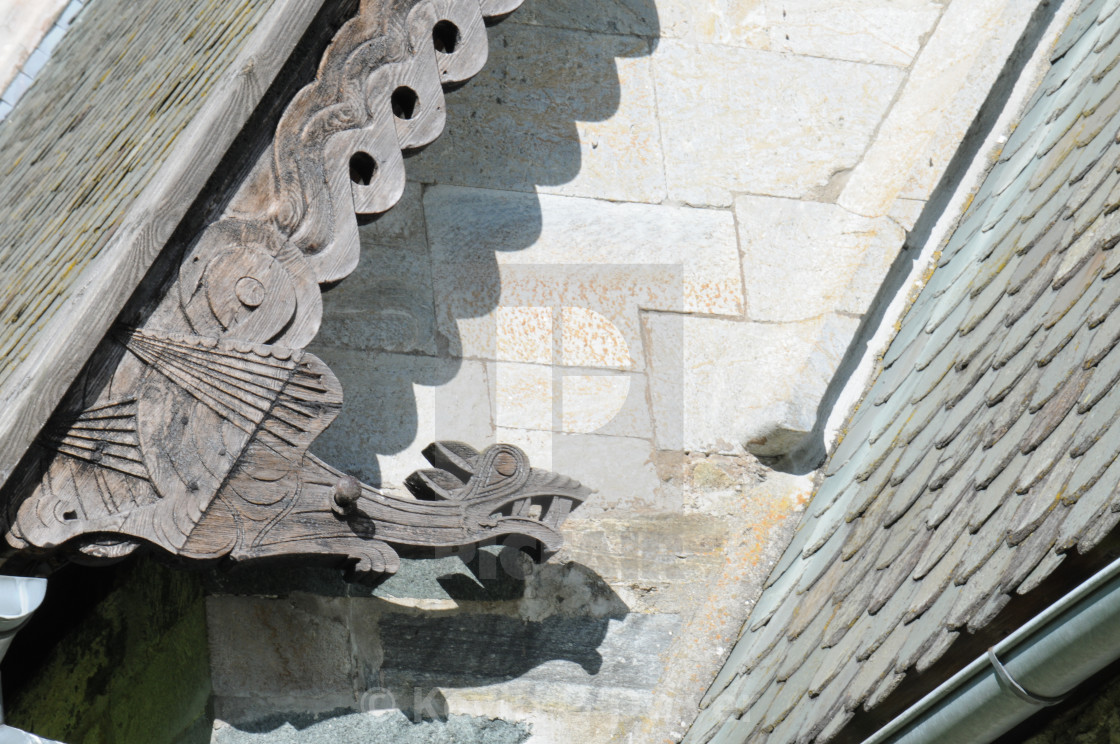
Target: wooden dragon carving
x=190, y=431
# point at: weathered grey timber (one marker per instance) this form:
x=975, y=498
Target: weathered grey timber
x=188, y=429
x=89, y=209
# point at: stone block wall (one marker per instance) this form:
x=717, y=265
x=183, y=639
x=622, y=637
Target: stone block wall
x=639, y=251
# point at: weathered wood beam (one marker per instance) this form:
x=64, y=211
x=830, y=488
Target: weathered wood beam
x=65, y=345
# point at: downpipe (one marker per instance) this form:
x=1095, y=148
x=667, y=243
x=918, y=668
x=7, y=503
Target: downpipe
x=19, y=598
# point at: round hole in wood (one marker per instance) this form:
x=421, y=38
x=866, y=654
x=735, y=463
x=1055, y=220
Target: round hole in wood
x=445, y=35
x=404, y=101
x=362, y=168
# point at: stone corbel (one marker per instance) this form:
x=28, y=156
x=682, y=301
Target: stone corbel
x=190, y=430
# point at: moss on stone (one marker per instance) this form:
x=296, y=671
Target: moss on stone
x=136, y=671
x=1090, y=716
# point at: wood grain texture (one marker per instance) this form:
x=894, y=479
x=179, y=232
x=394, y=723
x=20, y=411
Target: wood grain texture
x=190, y=430
x=34, y=388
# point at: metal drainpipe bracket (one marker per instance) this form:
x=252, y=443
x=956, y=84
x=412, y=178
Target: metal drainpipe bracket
x=1017, y=689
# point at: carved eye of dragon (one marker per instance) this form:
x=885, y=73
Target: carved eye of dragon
x=190, y=432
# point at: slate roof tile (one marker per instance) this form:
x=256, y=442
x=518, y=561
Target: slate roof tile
x=1070, y=39
x=1097, y=529
x=872, y=487
x=1015, y=357
x=860, y=563
x=986, y=448
x=836, y=722
x=1075, y=285
x=1000, y=208
x=772, y=599
x=823, y=530
x=905, y=345
x=1050, y=432
x=916, y=645
x=1031, y=552
x=885, y=688
x=1088, y=211
x=957, y=523
x=1045, y=206
x=1016, y=155
x=802, y=644
x=890, y=415
x=821, y=567
x=988, y=611
x=1095, y=422
x=789, y=694
x=942, y=640
x=997, y=458
x=757, y=697
x=1091, y=467
x=854, y=441
x=1033, y=510
x=973, y=595
x=1104, y=340
x=731, y=732
x=788, y=729
x=851, y=608
x=1113, y=200
x=1108, y=270
x=935, y=569
x=955, y=418
x=862, y=530
x=1094, y=501
x=890, y=578
x=862, y=685
x=896, y=542
x=826, y=498
x=1045, y=567
x=955, y=244
x=841, y=675
x=1105, y=364
x=948, y=493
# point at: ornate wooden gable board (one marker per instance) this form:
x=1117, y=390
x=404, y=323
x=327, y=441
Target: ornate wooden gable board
x=188, y=428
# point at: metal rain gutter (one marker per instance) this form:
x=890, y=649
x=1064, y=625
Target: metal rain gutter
x=1035, y=666
x=19, y=598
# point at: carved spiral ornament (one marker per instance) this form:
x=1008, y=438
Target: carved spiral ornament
x=191, y=432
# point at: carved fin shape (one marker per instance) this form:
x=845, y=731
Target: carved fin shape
x=105, y=436
x=238, y=381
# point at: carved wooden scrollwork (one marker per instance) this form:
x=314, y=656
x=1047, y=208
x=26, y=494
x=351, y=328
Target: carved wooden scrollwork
x=190, y=432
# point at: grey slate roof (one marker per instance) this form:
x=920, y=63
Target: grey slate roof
x=986, y=449
x=90, y=133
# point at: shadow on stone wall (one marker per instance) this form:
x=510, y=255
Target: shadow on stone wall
x=510, y=130
x=508, y=621
x=394, y=727
x=395, y=322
